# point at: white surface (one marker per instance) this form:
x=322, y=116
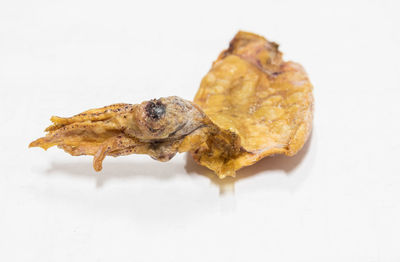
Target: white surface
x=338, y=200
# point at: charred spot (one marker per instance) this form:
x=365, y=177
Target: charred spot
x=155, y=109
x=164, y=157
x=154, y=145
x=230, y=49
x=274, y=45
x=276, y=73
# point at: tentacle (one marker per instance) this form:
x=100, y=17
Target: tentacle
x=78, y=133
x=98, y=114
x=94, y=132
x=159, y=128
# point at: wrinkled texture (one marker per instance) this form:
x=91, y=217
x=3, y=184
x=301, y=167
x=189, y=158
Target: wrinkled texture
x=159, y=128
x=264, y=103
x=250, y=105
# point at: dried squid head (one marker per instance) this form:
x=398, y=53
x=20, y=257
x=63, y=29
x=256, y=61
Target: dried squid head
x=159, y=128
x=250, y=105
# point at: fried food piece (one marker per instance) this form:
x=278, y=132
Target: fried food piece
x=264, y=103
x=250, y=105
x=159, y=128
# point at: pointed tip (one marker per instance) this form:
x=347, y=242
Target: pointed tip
x=58, y=120
x=40, y=142
x=50, y=128
x=33, y=144
x=57, y=123
x=54, y=119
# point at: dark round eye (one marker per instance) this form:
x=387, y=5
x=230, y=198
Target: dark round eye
x=155, y=109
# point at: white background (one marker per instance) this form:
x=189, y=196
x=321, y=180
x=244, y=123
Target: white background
x=337, y=200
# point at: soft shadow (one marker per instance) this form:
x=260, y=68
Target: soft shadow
x=116, y=170
x=272, y=163
x=132, y=170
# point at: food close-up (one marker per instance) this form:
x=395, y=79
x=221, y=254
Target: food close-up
x=251, y=104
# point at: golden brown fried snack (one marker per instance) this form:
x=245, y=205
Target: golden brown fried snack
x=159, y=128
x=250, y=105
x=266, y=105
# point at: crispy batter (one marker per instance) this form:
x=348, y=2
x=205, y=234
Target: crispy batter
x=250, y=105
x=265, y=103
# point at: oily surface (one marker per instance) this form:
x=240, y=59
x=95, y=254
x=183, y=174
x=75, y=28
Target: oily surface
x=263, y=102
